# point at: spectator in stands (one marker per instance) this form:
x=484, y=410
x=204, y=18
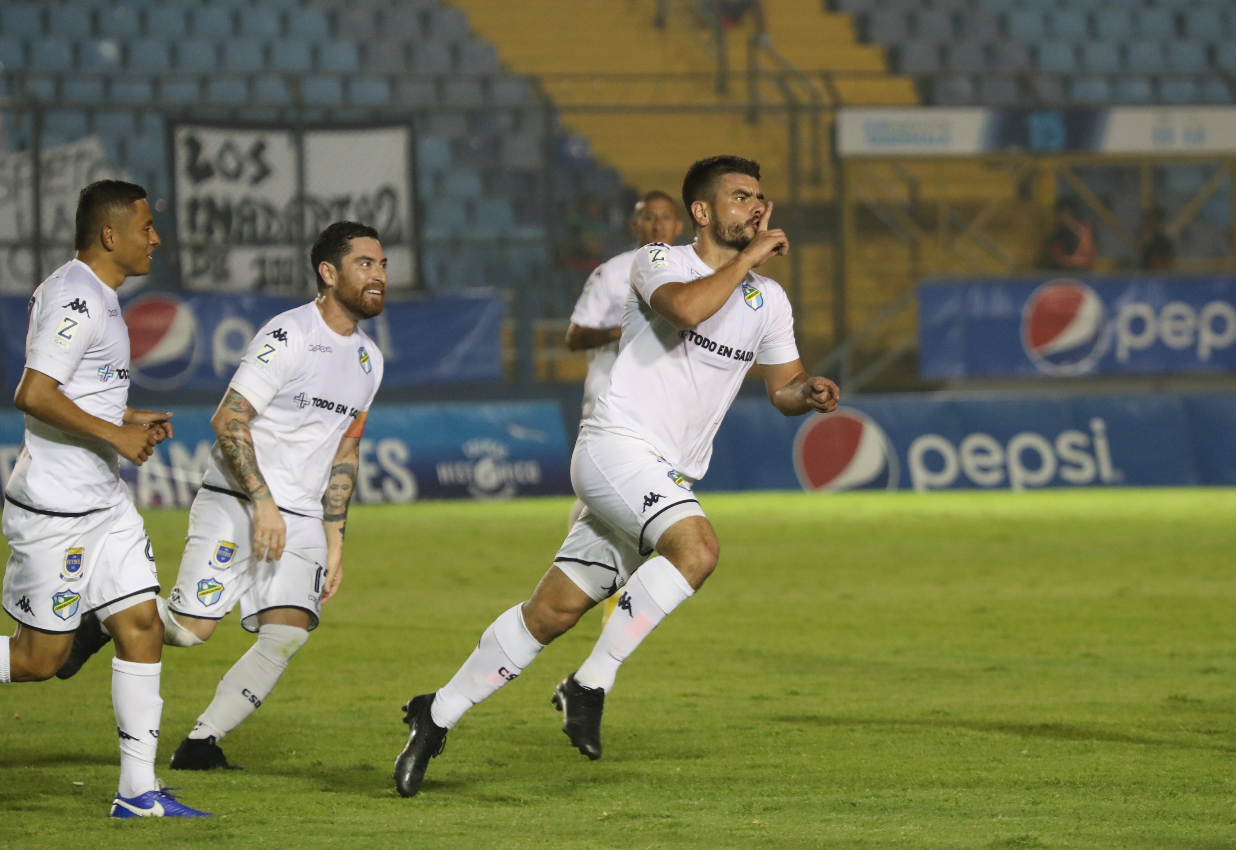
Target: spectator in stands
x=1071, y=243
x=1155, y=248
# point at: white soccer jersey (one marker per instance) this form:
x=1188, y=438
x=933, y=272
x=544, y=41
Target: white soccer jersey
x=307, y=384
x=78, y=337
x=672, y=388
x=601, y=305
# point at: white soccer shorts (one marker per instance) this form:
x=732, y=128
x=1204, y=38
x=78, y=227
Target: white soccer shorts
x=62, y=567
x=218, y=569
x=631, y=496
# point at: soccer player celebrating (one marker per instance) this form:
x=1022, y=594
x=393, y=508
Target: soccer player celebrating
x=77, y=542
x=696, y=319
x=266, y=529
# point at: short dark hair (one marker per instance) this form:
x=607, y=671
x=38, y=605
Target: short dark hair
x=654, y=195
x=700, y=184
x=334, y=243
x=98, y=203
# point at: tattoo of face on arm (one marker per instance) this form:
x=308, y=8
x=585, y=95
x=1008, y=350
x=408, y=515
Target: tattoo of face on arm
x=339, y=493
x=236, y=446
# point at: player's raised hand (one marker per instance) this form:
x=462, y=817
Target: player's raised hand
x=133, y=442
x=821, y=394
x=767, y=242
x=269, y=531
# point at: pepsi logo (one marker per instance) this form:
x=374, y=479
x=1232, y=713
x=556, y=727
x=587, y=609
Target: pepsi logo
x=844, y=450
x=164, y=341
x=1064, y=328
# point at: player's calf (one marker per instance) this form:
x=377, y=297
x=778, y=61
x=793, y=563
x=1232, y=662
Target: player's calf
x=31, y=656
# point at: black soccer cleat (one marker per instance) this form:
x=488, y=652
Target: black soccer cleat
x=581, y=715
x=201, y=754
x=426, y=740
x=87, y=640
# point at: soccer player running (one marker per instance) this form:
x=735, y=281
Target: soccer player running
x=266, y=529
x=696, y=319
x=77, y=542
x=596, y=321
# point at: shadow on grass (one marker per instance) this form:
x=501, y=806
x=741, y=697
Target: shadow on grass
x=1053, y=731
x=39, y=758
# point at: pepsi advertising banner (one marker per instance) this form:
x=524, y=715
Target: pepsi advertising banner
x=1065, y=327
x=195, y=342
x=409, y=452
x=945, y=442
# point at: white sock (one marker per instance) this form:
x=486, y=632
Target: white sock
x=174, y=634
x=505, y=649
x=656, y=589
x=139, y=709
x=4, y=660
x=251, y=679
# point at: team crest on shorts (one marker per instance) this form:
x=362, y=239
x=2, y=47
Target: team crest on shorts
x=677, y=477
x=366, y=366
x=64, y=603
x=209, y=591
x=752, y=296
x=74, y=560
x=224, y=552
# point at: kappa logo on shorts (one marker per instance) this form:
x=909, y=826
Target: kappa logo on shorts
x=651, y=499
x=224, y=552
x=74, y=560
x=677, y=477
x=24, y=604
x=366, y=365
x=752, y=296
x=208, y=591
x=174, y=597
x=64, y=603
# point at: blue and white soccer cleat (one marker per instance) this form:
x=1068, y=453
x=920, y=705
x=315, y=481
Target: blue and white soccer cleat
x=154, y=804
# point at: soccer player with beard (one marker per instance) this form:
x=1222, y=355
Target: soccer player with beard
x=266, y=529
x=697, y=318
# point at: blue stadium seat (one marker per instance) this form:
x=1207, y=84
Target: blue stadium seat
x=340, y=56
x=934, y=25
x=888, y=27
x=968, y=56
x=148, y=150
x=463, y=93
x=1102, y=56
x=369, y=91
x=22, y=20
x=508, y=91
x=151, y=55
x=1144, y=56
x=1156, y=23
x=290, y=56
x=462, y=183
x=1010, y=56
x=131, y=91
x=478, y=57
x=495, y=215
x=1133, y=90
x=1069, y=24
x=1187, y=56
x=51, y=54
x=1215, y=90
x=918, y=57
x=230, y=91
x=444, y=218
x=1090, y=90
x=165, y=22
x=401, y=25
x=356, y=24
x=71, y=22
x=179, y=92
x=447, y=24
x=1225, y=56
x=321, y=91
x=104, y=55
x=307, y=23
x=1113, y=24
x=415, y=93
x=1047, y=90
x=260, y=22
x=12, y=54
x=66, y=124
x=980, y=25
x=82, y=90
x=243, y=55
x=1057, y=56
x=271, y=89
x=433, y=154
x=1204, y=24
x=213, y=22
x=119, y=22
x=114, y=122
x=953, y=90
x=998, y=91
x=432, y=57
x=1178, y=90
x=1025, y=24
x=386, y=57
x=197, y=56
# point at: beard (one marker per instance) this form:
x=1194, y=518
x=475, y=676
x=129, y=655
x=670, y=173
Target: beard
x=354, y=300
x=732, y=235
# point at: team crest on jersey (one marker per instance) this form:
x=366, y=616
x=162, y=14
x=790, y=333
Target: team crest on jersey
x=658, y=255
x=224, y=552
x=74, y=560
x=752, y=296
x=208, y=591
x=64, y=603
x=677, y=477
x=366, y=365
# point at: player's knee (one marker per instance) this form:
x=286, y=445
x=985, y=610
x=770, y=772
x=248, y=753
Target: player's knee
x=546, y=621
x=698, y=562
x=137, y=631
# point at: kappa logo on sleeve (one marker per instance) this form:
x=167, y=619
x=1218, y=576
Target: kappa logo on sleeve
x=77, y=305
x=280, y=334
x=66, y=331
x=658, y=255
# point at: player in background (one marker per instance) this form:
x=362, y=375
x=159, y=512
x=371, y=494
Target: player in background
x=266, y=529
x=697, y=317
x=77, y=542
x=596, y=321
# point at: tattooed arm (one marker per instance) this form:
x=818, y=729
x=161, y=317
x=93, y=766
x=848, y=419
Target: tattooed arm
x=231, y=425
x=335, y=505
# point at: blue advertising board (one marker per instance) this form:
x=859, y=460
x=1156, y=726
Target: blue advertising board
x=194, y=342
x=945, y=442
x=1064, y=327
x=409, y=452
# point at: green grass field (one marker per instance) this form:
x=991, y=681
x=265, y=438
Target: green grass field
x=1048, y=669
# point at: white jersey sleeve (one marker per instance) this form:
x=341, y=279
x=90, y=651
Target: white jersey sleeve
x=777, y=345
x=593, y=305
x=64, y=325
x=654, y=266
x=271, y=360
